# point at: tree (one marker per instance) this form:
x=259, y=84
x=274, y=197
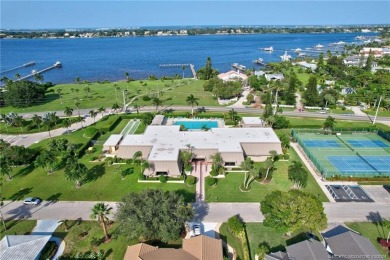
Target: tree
x=6, y=120
x=329, y=99
x=293, y=211
x=284, y=139
x=78, y=80
x=137, y=155
x=101, y=212
x=77, y=104
x=329, y=123
x=157, y=102
x=93, y=114
x=115, y=106
x=87, y=91
x=18, y=121
x=5, y=168
x=38, y=78
x=17, y=75
x=68, y=111
x=262, y=250
x=102, y=110
x=136, y=215
x=207, y=72
x=37, y=120
x=269, y=164
x=233, y=115
x=183, y=68
x=311, y=94
x=246, y=165
x=127, y=76
x=369, y=61
x=147, y=118
x=66, y=123
x=116, y=88
x=75, y=171
x=217, y=160
x=46, y=160
x=59, y=92
x=136, y=107
x=191, y=100
x=80, y=120
x=297, y=174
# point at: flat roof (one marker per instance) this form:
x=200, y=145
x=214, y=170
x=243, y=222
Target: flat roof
x=113, y=140
x=158, y=120
x=252, y=121
x=168, y=140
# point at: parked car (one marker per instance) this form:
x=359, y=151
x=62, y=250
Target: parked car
x=32, y=201
x=195, y=231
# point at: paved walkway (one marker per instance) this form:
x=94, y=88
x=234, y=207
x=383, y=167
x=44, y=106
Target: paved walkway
x=200, y=171
x=45, y=227
x=316, y=176
x=239, y=103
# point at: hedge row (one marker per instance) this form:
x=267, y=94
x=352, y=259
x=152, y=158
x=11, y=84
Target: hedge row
x=110, y=122
x=84, y=147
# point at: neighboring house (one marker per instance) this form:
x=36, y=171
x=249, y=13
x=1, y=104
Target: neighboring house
x=354, y=60
x=377, y=52
x=270, y=77
x=310, y=249
x=160, y=145
x=347, y=244
x=259, y=73
x=233, y=75
x=195, y=248
x=252, y=122
x=306, y=65
x=22, y=247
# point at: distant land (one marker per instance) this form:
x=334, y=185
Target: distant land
x=189, y=30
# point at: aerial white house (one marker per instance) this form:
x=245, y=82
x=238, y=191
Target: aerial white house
x=160, y=146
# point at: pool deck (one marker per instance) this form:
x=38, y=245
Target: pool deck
x=172, y=120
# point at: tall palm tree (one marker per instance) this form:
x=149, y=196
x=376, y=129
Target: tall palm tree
x=18, y=121
x=116, y=88
x=59, y=92
x=191, y=100
x=77, y=103
x=127, y=75
x=115, y=106
x=80, y=119
x=157, y=102
x=67, y=123
x=47, y=123
x=77, y=91
x=68, y=111
x=37, y=120
x=101, y=212
x=17, y=75
x=38, y=78
x=93, y=114
x=87, y=90
x=137, y=107
x=72, y=90
x=77, y=80
x=101, y=110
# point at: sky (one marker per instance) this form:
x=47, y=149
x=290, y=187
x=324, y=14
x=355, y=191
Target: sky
x=33, y=14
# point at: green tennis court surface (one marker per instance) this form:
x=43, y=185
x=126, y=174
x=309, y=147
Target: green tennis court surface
x=131, y=127
x=355, y=155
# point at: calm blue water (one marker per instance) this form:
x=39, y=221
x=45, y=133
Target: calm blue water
x=197, y=125
x=109, y=58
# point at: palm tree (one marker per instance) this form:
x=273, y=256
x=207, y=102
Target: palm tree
x=246, y=165
x=80, y=119
x=127, y=76
x=137, y=107
x=115, y=106
x=67, y=123
x=6, y=120
x=47, y=123
x=191, y=100
x=101, y=211
x=59, y=93
x=183, y=68
x=217, y=160
x=68, y=111
x=87, y=90
x=37, y=120
x=18, y=121
x=93, y=114
x=101, y=110
x=77, y=91
x=72, y=90
x=233, y=115
x=157, y=102
x=17, y=75
x=329, y=122
x=116, y=88
x=77, y=80
x=77, y=103
x=269, y=163
x=38, y=78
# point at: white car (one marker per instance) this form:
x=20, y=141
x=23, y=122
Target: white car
x=32, y=201
x=195, y=231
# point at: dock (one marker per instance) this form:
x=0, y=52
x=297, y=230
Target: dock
x=31, y=63
x=179, y=65
x=239, y=67
x=56, y=65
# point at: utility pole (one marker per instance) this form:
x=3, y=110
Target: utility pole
x=377, y=108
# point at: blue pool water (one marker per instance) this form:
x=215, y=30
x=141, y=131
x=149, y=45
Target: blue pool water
x=197, y=125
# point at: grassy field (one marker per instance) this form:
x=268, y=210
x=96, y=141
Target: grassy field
x=228, y=190
x=370, y=231
x=380, y=112
x=104, y=94
x=232, y=240
x=103, y=182
x=17, y=227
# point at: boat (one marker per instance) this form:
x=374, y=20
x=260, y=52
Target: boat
x=302, y=54
x=58, y=64
x=297, y=50
x=285, y=57
x=34, y=72
x=319, y=46
x=259, y=61
x=238, y=66
x=269, y=49
x=360, y=38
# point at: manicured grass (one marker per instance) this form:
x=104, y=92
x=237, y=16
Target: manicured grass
x=380, y=112
x=17, y=227
x=75, y=243
x=228, y=190
x=257, y=233
x=104, y=94
x=370, y=231
x=374, y=182
x=27, y=128
x=303, y=77
x=340, y=111
x=232, y=240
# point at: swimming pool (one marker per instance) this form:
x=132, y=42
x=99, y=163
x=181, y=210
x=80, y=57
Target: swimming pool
x=197, y=124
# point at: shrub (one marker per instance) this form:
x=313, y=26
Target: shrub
x=191, y=180
x=95, y=241
x=188, y=167
x=163, y=178
x=213, y=173
x=141, y=176
x=129, y=161
x=49, y=250
x=146, y=98
x=210, y=181
x=221, y=170
x=286, y=156
x=235, y=224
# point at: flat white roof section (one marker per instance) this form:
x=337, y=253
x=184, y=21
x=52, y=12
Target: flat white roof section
x=158, y=120
x=113, y=140
x=168, y=140
x=252, y=121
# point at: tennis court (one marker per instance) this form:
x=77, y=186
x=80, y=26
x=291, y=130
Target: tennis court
x=352, y=155
x=131, y=127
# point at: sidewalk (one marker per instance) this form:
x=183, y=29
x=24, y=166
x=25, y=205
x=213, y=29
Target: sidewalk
x=318, y=178
x=200, y=171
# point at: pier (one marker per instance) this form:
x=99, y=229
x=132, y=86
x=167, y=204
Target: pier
x=56, y=65
x=177, y=65
x=239, y=67
x=31, y=63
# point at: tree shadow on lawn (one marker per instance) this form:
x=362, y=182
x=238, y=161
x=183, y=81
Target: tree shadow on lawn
x=95, y=173
x=377, y=220
x=24, y=171
x=188, y=196
x=20, y=194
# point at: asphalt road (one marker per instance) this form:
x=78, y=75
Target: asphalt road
x=205, y=212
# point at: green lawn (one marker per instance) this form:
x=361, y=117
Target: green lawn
x=257, y=233
x=104, y=94
x=17, y=227
x=232, y=240
x=380, y=112
x=370, y=231
x=228, y=190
